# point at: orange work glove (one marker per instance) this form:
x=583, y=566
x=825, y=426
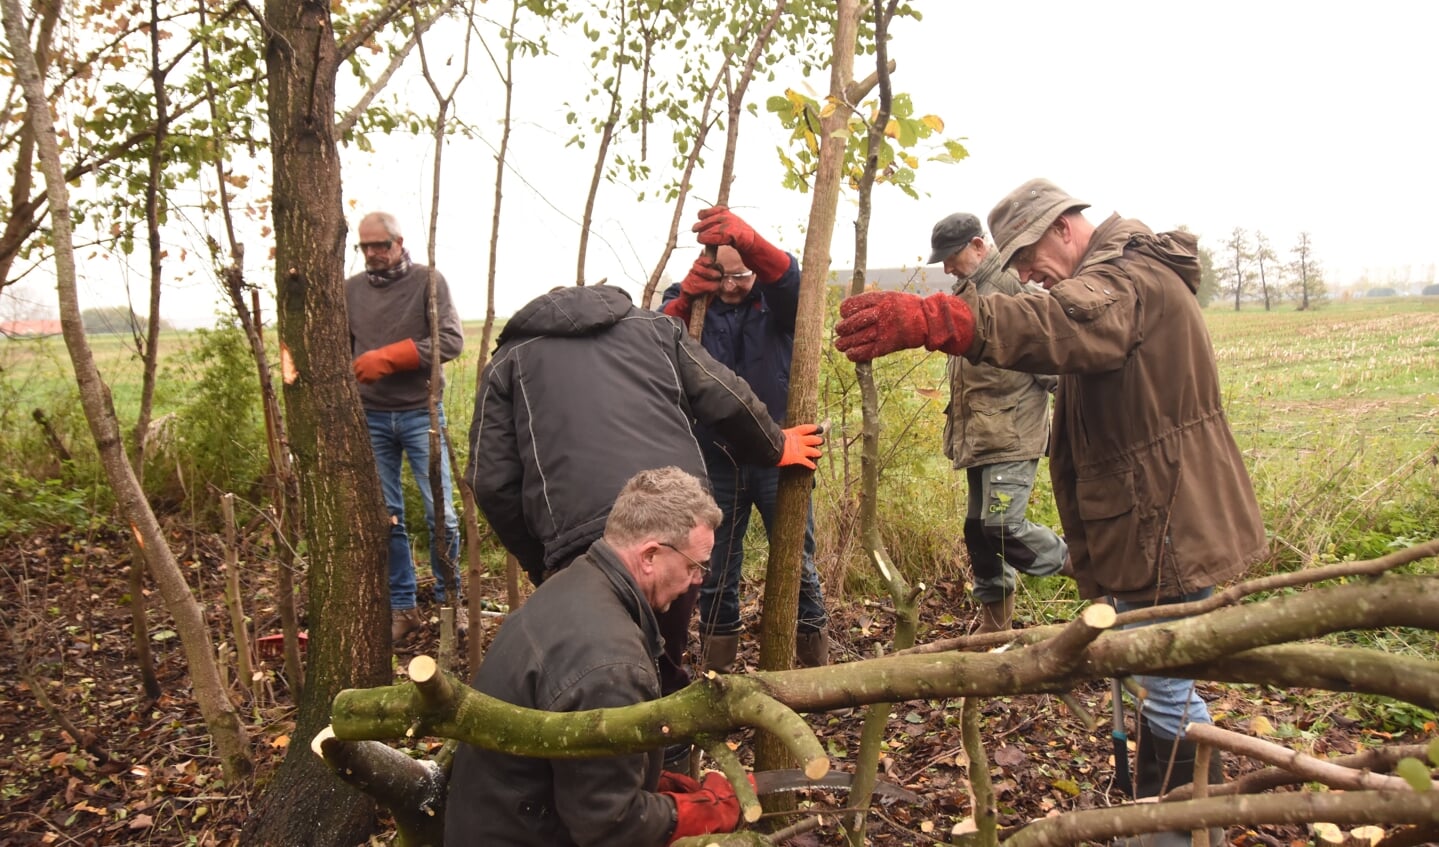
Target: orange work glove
x=712, y=807
x=718, y=226
x=801, y=446
x=877, y=323
x=383, y=361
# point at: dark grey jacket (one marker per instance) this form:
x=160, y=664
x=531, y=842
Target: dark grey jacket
x=384, y=311
x=1150, y=485
x=994, y=415
x=537, y=662
x=585, y=391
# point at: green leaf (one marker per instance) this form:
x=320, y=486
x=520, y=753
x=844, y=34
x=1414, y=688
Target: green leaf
x=1414, y=772
x=1434, y=752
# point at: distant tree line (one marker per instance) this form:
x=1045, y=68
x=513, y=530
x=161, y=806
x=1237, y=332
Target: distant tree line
x=117, y=319
x=1250, y=270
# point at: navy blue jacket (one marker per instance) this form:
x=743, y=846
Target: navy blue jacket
x=755, y=339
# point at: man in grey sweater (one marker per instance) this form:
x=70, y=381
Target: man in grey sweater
x=390, y=342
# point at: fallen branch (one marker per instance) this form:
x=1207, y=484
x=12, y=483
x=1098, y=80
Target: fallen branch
x=1355, y=807
x=1307, y=768
x=413, y=790
x=1378, y=759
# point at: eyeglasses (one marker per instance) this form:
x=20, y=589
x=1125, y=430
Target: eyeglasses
x=694, y=565
x=736, y=277
x=379, y=246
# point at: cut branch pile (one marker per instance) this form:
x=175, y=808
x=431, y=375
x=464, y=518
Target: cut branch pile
x=1261, y=641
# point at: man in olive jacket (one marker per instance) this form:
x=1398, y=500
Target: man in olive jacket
x=1156, y=504
x=588, y=639
x=996, y=429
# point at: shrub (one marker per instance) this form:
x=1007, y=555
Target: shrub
x=215, y=442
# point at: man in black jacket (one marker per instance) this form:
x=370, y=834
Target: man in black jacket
x=585, y=390
x=589, y=639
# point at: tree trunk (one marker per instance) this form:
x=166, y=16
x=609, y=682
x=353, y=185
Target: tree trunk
x=781, y=591
x=339, y=487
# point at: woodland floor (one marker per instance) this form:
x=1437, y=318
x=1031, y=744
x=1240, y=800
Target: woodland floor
x=144, y=774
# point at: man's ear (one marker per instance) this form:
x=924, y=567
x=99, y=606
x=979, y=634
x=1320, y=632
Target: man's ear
x=647, y=556
x=1065, y=228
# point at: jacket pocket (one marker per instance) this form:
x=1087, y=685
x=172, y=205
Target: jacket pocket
x=1113, y=528
x=990, y=429
x=1084, y=300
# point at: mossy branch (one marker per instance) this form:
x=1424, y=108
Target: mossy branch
x=1354, y=807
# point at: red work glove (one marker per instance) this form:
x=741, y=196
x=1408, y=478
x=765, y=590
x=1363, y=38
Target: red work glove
x=673, y=782
x=712, y=807
x=704, y=278
x=801, y=446
x=877, y=323
x=383, y=361
x=719, y=226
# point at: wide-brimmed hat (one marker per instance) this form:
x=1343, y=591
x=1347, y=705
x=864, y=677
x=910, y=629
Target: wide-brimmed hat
x=1025, y=213
x=951, y=235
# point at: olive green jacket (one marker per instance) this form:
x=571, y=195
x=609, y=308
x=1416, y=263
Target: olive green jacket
x=994, y=415
x=1149, y=482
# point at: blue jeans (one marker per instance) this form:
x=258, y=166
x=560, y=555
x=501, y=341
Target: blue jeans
x=737, y=489
x=393, y=435
x=1171, y=703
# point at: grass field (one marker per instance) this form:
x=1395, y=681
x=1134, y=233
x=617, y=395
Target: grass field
x=1337, y=411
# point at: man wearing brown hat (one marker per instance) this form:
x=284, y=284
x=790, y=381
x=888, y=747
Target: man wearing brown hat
x=996, y=428
x=1153, y=494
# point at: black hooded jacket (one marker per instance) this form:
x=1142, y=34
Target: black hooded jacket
x=584, y=391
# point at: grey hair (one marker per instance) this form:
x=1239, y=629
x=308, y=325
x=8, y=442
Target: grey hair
x=386, y=220
x=664, y=503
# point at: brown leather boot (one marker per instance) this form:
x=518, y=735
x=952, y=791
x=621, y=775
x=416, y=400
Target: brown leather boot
x=811, y=649
x=996, y=616
x=403, y=622
x=718, y=652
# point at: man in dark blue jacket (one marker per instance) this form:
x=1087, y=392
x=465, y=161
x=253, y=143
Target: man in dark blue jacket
x=583, y=391
x=749, y=328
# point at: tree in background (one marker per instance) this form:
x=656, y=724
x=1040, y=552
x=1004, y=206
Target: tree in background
x=105, y=320
x=1306, y=278
x=1236, y=277
x=1263, y=253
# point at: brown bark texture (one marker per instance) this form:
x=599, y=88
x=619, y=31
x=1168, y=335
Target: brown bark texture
x=345, y=519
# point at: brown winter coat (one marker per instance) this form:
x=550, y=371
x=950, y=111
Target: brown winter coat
x=994, y=415
x=1150, y=485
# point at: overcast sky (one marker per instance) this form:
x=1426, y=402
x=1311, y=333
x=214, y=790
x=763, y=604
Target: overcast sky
x=1273, y=116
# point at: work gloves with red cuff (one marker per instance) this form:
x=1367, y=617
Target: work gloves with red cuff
x=877, y=323
x=801, y=446
x=383, y=361
x=719, y=226
x=700, y=807
x=704, y=278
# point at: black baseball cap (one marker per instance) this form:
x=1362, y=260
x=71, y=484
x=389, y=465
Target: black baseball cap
x=951, y=235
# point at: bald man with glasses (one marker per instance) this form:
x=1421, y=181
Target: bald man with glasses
x=749, y=328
